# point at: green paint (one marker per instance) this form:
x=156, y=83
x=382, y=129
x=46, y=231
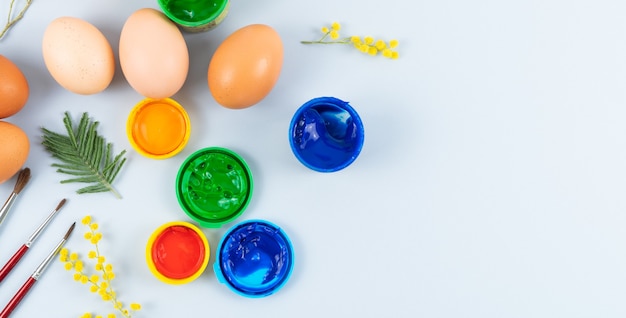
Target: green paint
x=195, y=15
x=214, y=186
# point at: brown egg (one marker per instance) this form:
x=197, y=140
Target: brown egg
x=14, y=150
x=245, y=67
x=13, y=88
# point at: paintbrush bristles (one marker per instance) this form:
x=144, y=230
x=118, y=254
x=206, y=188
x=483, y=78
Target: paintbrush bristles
x=60, y=204
x=22, y=180
x=67, y=235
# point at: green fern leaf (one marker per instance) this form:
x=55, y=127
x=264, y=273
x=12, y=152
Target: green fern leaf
x=85, y=155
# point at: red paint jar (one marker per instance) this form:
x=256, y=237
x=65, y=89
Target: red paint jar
x=177, y=252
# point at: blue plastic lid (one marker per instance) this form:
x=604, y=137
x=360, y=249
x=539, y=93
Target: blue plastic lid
x=254, y=258
x=326, y=134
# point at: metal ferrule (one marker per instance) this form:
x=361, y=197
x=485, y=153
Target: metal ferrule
x=7, y=206
x=46, y=262
x=33, y=237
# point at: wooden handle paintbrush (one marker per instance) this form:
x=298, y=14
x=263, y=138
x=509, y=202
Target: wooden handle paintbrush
x=22, y=180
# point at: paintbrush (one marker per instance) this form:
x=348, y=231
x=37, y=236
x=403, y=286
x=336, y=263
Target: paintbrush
x=34, y=277
x=22, y=250
x=22, y=180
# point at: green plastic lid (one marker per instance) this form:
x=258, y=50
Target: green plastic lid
x=195, y=15
x=214, y=186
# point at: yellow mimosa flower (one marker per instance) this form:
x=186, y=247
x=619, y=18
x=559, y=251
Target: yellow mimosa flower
x=86, y=220
x=367, y=44
x=98, y=283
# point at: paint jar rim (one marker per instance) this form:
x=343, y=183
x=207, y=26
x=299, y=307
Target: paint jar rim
x=225, y=274
x=188, y=274
x=218, y=202
x=135, y=128
x=208, y=23
x=334, y=157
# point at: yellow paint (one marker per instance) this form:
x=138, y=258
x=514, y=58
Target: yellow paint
x=158, y=128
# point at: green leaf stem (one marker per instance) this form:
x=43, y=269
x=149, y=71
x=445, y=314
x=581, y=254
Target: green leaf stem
x=85, y=155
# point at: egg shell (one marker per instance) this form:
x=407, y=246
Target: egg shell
x=13, y=88
x=14, y=150
x=246, y=66
x=78, y=56
x=153, y=54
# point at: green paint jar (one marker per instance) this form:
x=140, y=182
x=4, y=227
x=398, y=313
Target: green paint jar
x=195, y=15
x=214, y=186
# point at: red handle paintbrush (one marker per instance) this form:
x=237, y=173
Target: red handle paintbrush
x=34, y=277
x=22, y=250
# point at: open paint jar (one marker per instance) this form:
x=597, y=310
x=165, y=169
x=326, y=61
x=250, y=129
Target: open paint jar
x=214, y=186
x=158, y=128
x=177, y=252
x=195, y=15
x=326, y=134
x=254, y=258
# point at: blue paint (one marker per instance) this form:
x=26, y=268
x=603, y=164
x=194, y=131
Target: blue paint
x=326, y=134
x=255, y=258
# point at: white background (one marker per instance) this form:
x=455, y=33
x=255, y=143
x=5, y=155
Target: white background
x=491, y=182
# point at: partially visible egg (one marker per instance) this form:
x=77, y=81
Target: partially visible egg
x=245, y=67
x=153, y=54
x=78, y=55
x=13, y=88
x=13, y=150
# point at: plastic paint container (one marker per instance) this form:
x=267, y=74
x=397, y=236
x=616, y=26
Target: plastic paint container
x=158, y=128
x=214, y=186
x=326, y=134
x=254, y=258
x=177, y=252
x=195, y=15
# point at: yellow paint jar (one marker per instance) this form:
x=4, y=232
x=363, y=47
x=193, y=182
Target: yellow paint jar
x=158, y=128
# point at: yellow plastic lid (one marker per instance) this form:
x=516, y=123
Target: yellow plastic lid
x=177, y=252
x=158, y=128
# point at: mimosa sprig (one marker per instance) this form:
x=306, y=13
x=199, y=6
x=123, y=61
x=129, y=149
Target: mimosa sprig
x=100, y=282
x=367, y=44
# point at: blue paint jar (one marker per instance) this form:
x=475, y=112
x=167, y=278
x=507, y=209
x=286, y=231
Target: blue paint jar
x=326, y=134
x=254, y=258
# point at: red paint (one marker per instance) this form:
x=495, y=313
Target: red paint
x=178, y=252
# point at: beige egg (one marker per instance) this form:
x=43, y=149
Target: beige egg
x=153, y=54
x=78, y=55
